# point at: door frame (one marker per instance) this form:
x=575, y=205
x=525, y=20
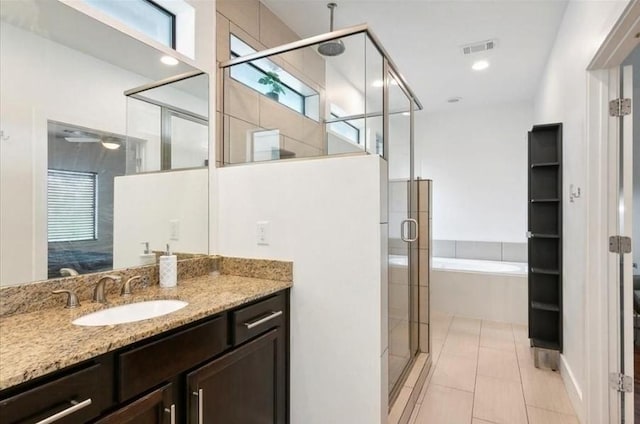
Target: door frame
x=602, y=173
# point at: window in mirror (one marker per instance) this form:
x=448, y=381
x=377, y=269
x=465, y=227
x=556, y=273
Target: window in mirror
x=71, y=205
x=271, y=80
x=345, y=129
x=142, y=15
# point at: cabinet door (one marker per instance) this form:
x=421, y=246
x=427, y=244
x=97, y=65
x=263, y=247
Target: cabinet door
x=153, y=408
x=245, y=386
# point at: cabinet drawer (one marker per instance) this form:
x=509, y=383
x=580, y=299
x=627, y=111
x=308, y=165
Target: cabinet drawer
x=76, y=398
x=156, y=362
x=254, y=320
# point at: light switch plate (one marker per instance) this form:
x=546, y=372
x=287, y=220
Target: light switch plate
x=174, y=229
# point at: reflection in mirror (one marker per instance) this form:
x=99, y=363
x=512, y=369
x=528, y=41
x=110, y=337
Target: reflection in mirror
x=67, y=203
x=167, y=126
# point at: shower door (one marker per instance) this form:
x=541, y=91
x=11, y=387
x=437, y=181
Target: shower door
x=403, y=232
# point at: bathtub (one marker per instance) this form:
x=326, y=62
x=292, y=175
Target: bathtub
x=490, y=290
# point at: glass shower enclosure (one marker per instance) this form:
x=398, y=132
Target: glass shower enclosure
x=294, y=102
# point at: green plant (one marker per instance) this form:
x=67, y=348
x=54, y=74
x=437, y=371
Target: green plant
x=272, y=79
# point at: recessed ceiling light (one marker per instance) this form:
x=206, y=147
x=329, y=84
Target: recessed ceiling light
x=111, y=144
x=454, y=99
x=168, y=60
x=480, y=65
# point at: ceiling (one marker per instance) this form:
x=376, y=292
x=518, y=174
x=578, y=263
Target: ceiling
x=424, y=39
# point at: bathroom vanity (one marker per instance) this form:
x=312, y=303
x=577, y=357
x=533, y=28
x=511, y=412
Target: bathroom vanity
x=221, y=359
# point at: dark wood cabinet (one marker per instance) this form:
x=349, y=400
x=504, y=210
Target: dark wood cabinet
x=231, y=368
x=246, y=386
x=156, y=407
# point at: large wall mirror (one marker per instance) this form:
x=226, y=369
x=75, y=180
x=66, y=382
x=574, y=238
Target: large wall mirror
x=104, y=148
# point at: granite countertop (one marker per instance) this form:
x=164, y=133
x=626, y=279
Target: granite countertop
x=37, y=343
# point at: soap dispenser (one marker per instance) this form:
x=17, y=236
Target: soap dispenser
x=168, y=269
x=147, y=258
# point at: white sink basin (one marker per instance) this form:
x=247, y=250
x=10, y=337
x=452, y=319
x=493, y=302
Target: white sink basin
x=131, y=312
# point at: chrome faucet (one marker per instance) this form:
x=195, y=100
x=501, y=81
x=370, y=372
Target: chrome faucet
x=126, y=287
x=98, y=291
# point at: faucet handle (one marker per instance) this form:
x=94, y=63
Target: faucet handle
x=98, y=291
x=126, y=287
x=72, y=299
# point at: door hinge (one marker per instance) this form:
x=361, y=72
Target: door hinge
x=620, y=107
x=619, y=244
x=620, y=382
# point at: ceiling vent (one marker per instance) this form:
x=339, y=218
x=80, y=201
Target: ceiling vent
x=478, y=47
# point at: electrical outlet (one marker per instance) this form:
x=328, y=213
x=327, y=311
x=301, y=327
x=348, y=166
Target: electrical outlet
x=174, y=229
x=262, y=233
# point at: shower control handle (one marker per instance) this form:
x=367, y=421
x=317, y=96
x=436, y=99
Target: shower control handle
x=404, y=234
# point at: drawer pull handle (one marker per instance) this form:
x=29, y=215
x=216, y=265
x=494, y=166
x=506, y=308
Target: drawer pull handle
x=253, y=324
x=200, y=396
x=75, y=406
x=172, y=413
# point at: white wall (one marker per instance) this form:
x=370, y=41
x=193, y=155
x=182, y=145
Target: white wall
x=145, y=204
x=477, y=159
x=561, y=97
x=328, y=222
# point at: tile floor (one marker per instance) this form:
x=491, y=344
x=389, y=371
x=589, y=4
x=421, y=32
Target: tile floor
x=483, y=373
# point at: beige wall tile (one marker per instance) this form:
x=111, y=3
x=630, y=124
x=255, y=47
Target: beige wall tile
x=239, y=139
x=424, y=338
x=424, y=305
x=499, y=401
x=443, y=405
x=294, y=60
x=273, y=32
x=219, y=90
x=246, y=37
x=545, y=389
x=300, y=149
x=219, y=142
x=222, y=38
x=244, y=13
x=273, y=116
x=542, y=416
x=477, y=421
x=314, y=66
x=241, y=101
x=498, y=364
x=313, y=133
x=457, y=372
x=423, y=230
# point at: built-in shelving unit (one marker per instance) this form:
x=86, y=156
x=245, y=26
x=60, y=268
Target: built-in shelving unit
x=545, y=236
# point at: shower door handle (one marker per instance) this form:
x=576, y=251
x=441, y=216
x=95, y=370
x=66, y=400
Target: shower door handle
x=404, y=234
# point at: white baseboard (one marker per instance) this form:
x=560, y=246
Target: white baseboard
x=573, y=389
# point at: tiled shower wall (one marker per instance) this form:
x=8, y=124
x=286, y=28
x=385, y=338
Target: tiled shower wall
x=242, y=110
x=484, y=250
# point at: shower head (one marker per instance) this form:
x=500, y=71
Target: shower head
x=332, y=47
